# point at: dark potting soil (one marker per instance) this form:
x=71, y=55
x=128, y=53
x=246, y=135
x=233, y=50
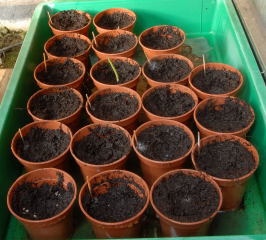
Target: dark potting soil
x=164, y=102
x=68, y=47
x=229, y=117
x=216, y=81
x=163, y=142
x=102, y=146
x=69, y=20
x=186, y=198
x=55, y=105
x=163, y=38
x=60, y=73
x=228, y=159
x=115, y=20
x=114, y=106
x=167, y=70
x=41, y=144
x=119, y=203
x=35, y=202
x=120, y=43
x=126, y=72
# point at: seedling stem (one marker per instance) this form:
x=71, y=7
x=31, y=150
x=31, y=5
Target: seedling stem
x=88, y=100
x=94, y=39
x=49, y=16
x=89, y=185
x=204, y=67
x=114, y=70
x=44, y=61
x=20, y=133
x=199, y=141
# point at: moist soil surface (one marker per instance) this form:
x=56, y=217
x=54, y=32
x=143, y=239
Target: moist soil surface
x=41, y=202
x=68, y=47
x=228, y=159
x=216, y=81
x=118, y=44
x=55, y=105
x=164, y=38
x=41, y=144
x=69, y=20
x=60, y=73
x=102, y=146
x=164, y=102
x=126, y=72
x=120, y=202
x=114, y=106
x=228, y=117
x=167, y=70
x=115, y=20
x=163, y=142
x=186, y=198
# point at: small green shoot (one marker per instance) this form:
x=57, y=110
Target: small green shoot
x=114, y=70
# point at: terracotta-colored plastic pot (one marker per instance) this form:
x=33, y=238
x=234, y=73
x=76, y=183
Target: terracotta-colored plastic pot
x=89, y=170
x=129, y=122
x=152, y=169
x=173, y=228
x=153, y=82
x=173, y=88
x=216, y=66
x=149, y=52
x=110, y=11
x=232, y=189
x=58, y=227
x=104, y=37
x=72, y=120
x=130, y=84
x=124, y=229
x=58, y=162
x=218, y=101
x=83, y=57
x=74, y=84
x=83, y=30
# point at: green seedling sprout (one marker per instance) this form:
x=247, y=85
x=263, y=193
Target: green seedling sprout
x=20, y=133
x=44, y=61
x=89, y=185
x=114, y=70
x=94, y=39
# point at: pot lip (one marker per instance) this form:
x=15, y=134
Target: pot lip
x=200, y=126
x=168, y=55
x=120, y=31
x=125, y=10
x=124, y=59
x=55, y=60
x=138, y=214
x=29, y=221
x=174, y=86
x=198, y=174
x=165, y=122
x=70, y=35
x=162, y=50
x=44, y=90
x=215, y=64
x=39, y=124
x=227, y=137
x=121, y=90
x=90, y=126
x=74, y=30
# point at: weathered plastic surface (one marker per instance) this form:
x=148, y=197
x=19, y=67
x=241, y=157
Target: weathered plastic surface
x=212, y=28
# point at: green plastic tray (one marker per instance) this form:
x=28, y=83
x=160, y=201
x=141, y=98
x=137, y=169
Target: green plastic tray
x=212, y=23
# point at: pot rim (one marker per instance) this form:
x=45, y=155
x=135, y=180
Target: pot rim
x=165, y=122
x=176, y=87
x=91, y=126
x=216, y=138
x=192, y=172
x=138, y=214
x=29, y=221
x=48, y=90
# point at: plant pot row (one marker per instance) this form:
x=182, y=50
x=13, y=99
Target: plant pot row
x=99, y=190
